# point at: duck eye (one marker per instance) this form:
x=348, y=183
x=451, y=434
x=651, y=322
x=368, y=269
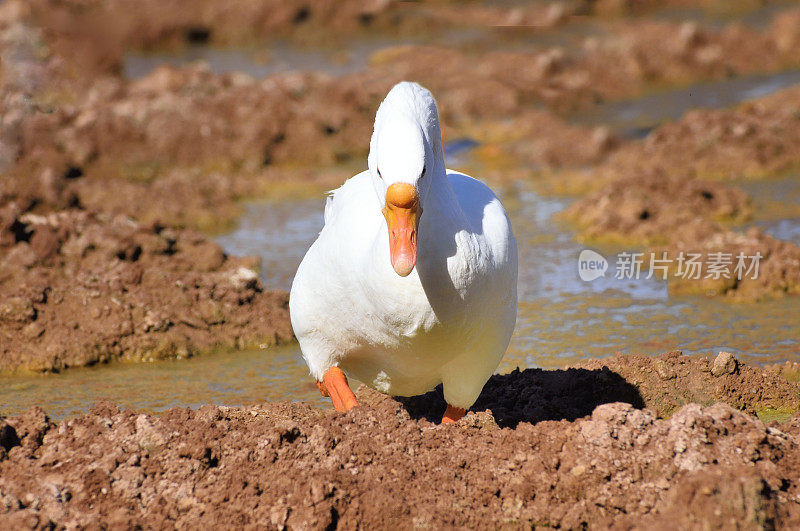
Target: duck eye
x=379, y=173
x=421, y=175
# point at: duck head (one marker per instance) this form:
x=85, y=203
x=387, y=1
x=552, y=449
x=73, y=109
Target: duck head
x=405, y=157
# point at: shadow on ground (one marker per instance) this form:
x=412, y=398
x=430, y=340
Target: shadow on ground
x=534, y=395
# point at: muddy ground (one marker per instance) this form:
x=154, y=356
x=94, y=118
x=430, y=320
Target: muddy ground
x=84, y=287
x=181, y=146
x=107, y=176
x=629, y=442
x=180, y=124
x=105, y=181
x=668, y=191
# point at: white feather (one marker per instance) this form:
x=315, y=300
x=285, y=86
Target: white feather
x=451, y=319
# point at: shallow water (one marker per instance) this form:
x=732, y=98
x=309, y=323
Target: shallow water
x=232, y=378
x=257, y=62
x=777, y=206
x=277, y=57
x=562, y=319
x=636, y=118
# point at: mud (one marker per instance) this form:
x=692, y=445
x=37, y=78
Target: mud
x=666, y=191
x=656, y=207
x=778, y=273
x=563, y=448
x=214, y=139
x=105, y=179
x=81, y=287
x=754, y=140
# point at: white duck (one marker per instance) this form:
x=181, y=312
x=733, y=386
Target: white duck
x=412, y=281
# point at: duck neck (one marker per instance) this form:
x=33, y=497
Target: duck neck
x=442, y=196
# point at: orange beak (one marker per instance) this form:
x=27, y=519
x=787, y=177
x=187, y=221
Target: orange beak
x=402, y=212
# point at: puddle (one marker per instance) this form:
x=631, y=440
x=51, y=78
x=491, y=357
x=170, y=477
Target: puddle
x=257, y=62
x=458, y=151
x=777, y=206
x=636, y=118
x=278, y=232
x=724, y=12
x=233, y=378
x=353, y=55
x=283, y=56
x=562, y=319
x=785, y=229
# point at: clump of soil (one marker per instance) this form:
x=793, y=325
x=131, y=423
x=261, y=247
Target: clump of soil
x=80, y=287
x=658, y=192
x=754, y=140
x=537, y=140
x=579, y=452
x=97, y=33
x=191, y=117
x=227, y=134
x=658, y=206
x=777, y=273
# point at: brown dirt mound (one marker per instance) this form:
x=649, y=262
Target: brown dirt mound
x=686, y=216
x=579, y=458
x=756, y=139
x=778, y=272
x=105, y=29
x=658, y=192
x=670, y=380
x=80, y=117
x=657, y=207
x=79, y=287
x=191, y=117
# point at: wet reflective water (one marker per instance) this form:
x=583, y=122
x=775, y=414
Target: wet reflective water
x=232, y=378
x=636, y=118
x=561, y=318
x=754, y=15
x=276, y=57
x=257, y=62
x=784, y=229
x=777, y=205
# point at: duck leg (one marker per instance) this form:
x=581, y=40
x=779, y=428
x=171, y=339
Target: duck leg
x=334, y=384
x=452, y=414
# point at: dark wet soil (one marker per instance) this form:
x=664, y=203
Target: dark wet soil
x=667, y=190
x=83, y=287
x=105, y=180
x=630, y=442
x=213, y=139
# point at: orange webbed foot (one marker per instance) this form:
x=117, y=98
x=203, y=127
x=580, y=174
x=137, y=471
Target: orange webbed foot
x=334, y=384
x=453, y=414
